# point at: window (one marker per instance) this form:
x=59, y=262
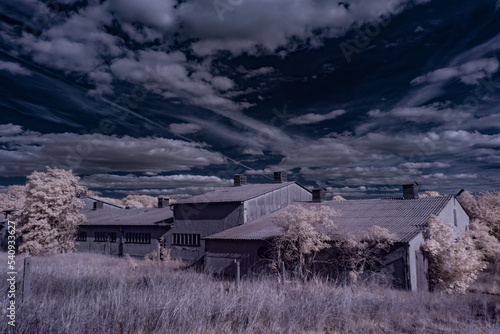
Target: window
x=455, y=217
x=186, y=239
x=138, y=238
x=105, y=236
x=81, y=236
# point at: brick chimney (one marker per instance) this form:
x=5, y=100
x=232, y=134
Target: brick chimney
x=163, y=202
x=410, y=191
x=319, y=194
x=240, y=179
x=280, y=176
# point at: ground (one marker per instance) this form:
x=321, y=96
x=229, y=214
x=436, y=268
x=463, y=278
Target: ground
x=87, y=293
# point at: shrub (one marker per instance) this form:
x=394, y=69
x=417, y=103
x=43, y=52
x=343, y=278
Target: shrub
x=305, y=233
x=453, y=264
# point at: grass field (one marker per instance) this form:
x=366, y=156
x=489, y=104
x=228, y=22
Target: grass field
x=84, y=293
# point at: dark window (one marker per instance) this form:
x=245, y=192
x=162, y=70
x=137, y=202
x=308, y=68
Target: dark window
x=138, y=238
x=455, y=217
x=81, y=236
x=186, y=239
x=105, y=236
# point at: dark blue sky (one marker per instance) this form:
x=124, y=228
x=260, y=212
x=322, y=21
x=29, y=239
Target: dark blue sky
x=165, y=98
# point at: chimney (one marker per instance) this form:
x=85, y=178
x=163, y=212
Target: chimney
x=410, y=191
x=280, y=176
x=163, y=202
x=98, y=205
x=240, y=179
x=319, y=194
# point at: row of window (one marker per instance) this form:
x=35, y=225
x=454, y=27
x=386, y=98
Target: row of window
x=185, y=239
x=179, y=239
x=135, y=238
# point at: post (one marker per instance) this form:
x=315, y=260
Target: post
x=237, y=273
x=282, y=267
x=27, y=278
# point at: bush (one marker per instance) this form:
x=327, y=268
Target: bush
x=453, y=264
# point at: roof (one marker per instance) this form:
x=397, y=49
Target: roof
x=105, y=202
x=404, y=218
x=236, y=193
x=135, y=216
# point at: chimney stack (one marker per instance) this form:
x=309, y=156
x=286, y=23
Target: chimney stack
x=280, y=176
x=410, y=191
x=240, y=179
x=319, y=194
x=163, y=202
x=98, y=205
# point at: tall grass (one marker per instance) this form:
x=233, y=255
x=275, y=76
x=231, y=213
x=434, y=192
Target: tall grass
x=85, y=293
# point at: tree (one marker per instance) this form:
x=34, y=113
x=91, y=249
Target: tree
x=140, y=201
x=484, y=212
x=362, y=252
x=453, y=264
x=305, y=233
x=14, y=199
x=48, y=219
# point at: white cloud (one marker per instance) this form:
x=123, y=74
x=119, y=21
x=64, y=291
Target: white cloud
x=469, y=73
x=164, y=182
x=94, y=153
x=245, y=26
x=14, y=68
x=158, y=14
x=184, y=128
x=10, y=129
x=315, y=118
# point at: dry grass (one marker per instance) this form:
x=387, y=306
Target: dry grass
x=84, y=293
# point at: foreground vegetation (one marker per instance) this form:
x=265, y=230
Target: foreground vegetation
x=85, y=293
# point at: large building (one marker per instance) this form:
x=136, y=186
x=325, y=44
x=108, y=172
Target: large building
x=200, y=216
x=405, y=218
x=136, y=232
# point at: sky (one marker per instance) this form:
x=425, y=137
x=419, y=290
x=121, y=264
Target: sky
x=172, y=98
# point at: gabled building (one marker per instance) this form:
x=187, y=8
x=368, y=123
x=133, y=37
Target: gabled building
x=201, y=216
x=405, y=217
x=134, y=231
x=92, y=203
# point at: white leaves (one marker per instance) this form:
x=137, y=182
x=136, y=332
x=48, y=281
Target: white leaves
x=454, y=264
x=49, y=213
x=305, y=232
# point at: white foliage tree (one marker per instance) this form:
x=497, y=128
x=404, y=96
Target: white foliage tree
x=484, y=211
x=305, y=233
x=362, y=252
x=453, y=264
x=48, y=220
x=14, y=199
x=140, y=201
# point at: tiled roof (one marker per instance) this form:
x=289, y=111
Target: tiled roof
x=143, y=216
x=401, y=217
x=235, y=194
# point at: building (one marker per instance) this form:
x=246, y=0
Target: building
x=404, y=217
x=134, y=231
x=92, y=203
x=201, y=216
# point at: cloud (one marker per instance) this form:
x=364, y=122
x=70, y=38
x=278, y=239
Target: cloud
x=468, y=73
x=244, y=26
x=434, y=113
x=14, y=68
x=130, y=181
x=315, y=118
x=94, y=153
x=184, y=128
x=10, y=130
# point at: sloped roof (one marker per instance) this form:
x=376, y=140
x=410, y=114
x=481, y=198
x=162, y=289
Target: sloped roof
x=105, y=202
x=236, y=194
x=404, y=218
x=134, y=216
